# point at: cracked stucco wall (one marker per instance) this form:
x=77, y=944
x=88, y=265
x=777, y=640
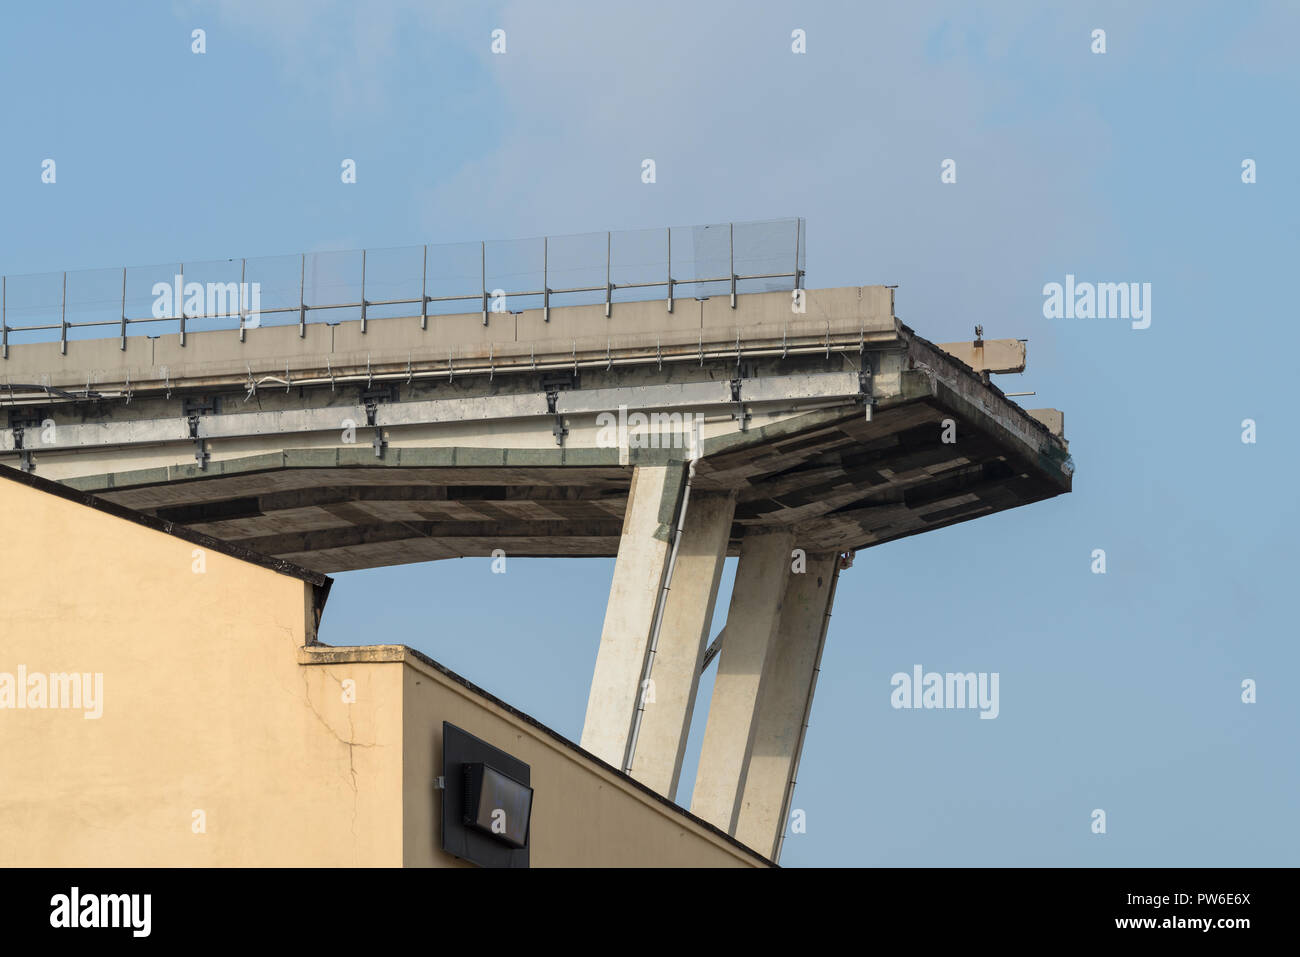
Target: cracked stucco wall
x=215, y=747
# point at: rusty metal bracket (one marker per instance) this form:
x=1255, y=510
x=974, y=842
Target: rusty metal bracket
x=740, y=414
x=193, y=409
x=20, y=420
x=558, y=429
x=370, y=400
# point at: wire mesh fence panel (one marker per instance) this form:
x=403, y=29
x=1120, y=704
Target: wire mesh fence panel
x=577, y=262
x=329, y=285
x=149, y=302
x=406, y=281
x=454, y=278
x=708, y=257
x=639, y=264
x=33, y=306
x=393, y=286
x=769, y=252
x=274, y=287
x=515, y=274
x=211, y=295
x=94, y=303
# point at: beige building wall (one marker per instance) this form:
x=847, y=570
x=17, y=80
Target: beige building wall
x=225, y=738
x=204, y=707
x=585, y=814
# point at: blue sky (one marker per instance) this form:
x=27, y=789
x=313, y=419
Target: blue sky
x=1118, y=691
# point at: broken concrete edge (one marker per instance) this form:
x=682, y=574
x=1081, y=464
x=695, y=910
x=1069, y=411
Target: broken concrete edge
x=317, y=653
x=922, y=352
x=1054, y=419
x=982, y=355
x=320, y=583
x=1049, y=458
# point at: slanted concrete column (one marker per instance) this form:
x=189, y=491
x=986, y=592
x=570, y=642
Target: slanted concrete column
x=669, y=701
x=638, y=575
x=752, y=622
x=788, y=683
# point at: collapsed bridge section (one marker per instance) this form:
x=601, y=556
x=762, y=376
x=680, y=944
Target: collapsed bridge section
x=790, y=431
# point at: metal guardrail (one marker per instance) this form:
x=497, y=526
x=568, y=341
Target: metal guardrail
x=730, y=258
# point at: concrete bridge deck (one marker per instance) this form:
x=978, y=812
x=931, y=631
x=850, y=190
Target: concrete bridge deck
x=500, y=437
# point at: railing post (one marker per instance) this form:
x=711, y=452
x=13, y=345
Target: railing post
x=302, y=296
x=609, y=288
x=63, y=318
x=123, y=326
x=363, y=290
x=4, y=325
x=482, y=254
x=798, y=228
x=424, y=290
x=731, y=247
x=670, y=269
x=546, y=281
x=243, y=271
x=181, y=296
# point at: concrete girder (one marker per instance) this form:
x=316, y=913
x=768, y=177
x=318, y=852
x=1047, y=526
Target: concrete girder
x=283, y=423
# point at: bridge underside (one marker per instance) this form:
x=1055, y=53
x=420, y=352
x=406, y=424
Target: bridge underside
x=841, y=481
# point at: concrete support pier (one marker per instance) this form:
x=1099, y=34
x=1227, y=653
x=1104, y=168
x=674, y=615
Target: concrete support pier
x=789, y=680
x=639, y=570
x=752, y=623
x=683, y=637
